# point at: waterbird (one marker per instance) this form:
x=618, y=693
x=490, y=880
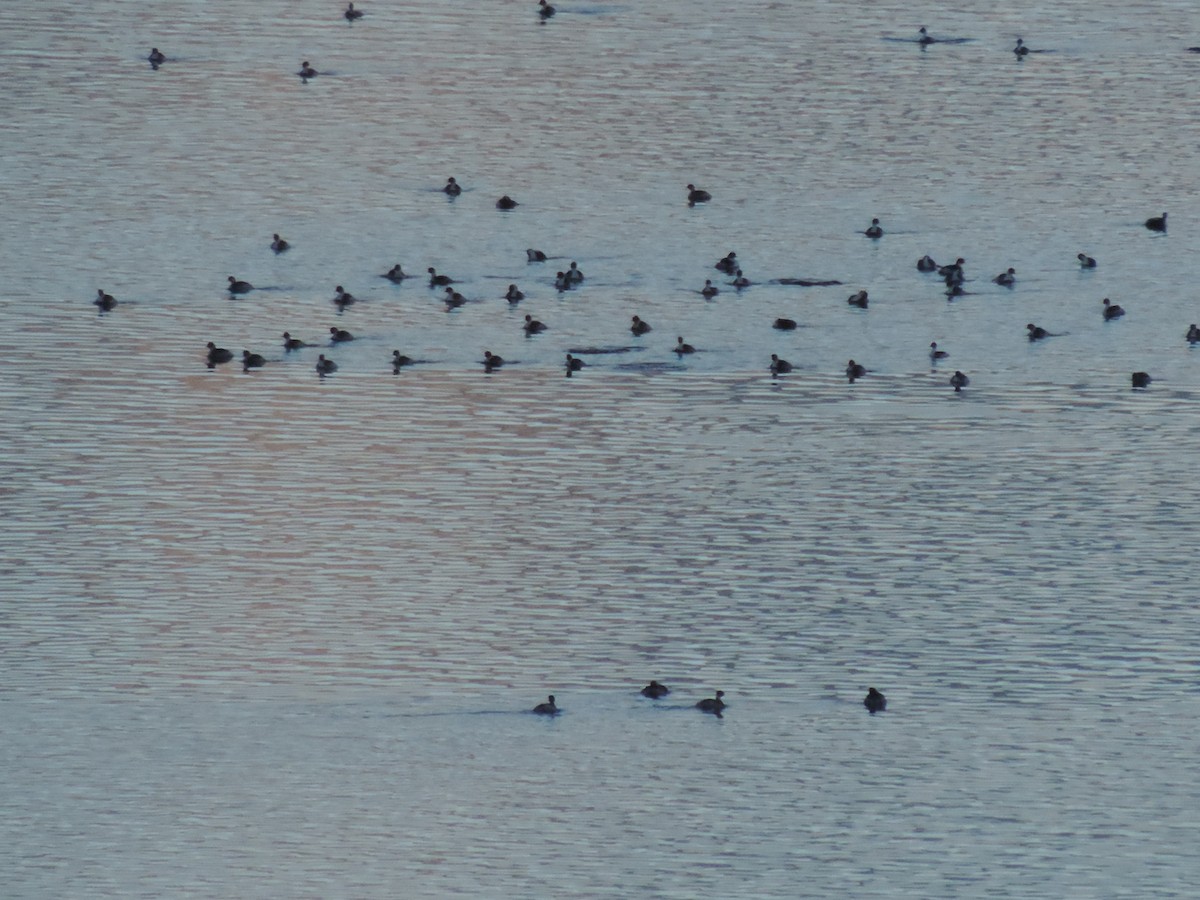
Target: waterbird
x=855, y=370
x=290, y=343
x=514, y=294
x=681, y=348
x=958, y=381
x=934, y=353
x=399, y=361
x=506, y=202
x=396, y=274
x=1141, y=379
x=104, y=301
x=784, y=324
x=574, y=364
x=1112, y=310
x=712, y=704
x=279, y=245
x=779, y=366
x=926, y=264
x=452, y=188
x=695, y=195
x=325, y=366
x=343, y=298
x=156, y=57
x=740, y=280
x=874, y=230
x=535, y=255
x=351, y=13
x=454, y=299
x=545, y=10
x=218, y=355
x=491, y=361
x=436, y=280
x=923, y=37
x=655, y=691
x=548, y=708
x=339, y=335
x=1020, y=50
x=252, y=361
x=1193, y=335
x=727, y=263
x=640, y=326
x=1036, y=332
x=1085, y=261
x=306, y=71
x=860, y=300
x=533, y=326
x=709, y=290
x=239, y=287
x=1157, y=223
x=573, y=275
x=874, y=701
x=1006, y=279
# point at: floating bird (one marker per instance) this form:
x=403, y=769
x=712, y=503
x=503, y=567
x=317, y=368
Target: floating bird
x=491, y=361
x=573, y=275
x=396, y=274
x=709, y=290
x=935, y=354
x=952, y=270
x=655, y=691
x=339, y=335
x=874, y=230
x=926, y=264
x=1086, y=262
x=436, y=280
x=514, y=295
x=574, y=364
x=640, y=327
x=156, y=58
x=351, y=13
x=533, y=326
x=1158, y=223
x=727, y=263
x=1036, y=332
x=343, y=298
x=854, y=371
x=1193, y=335
x=923, y=37
x=712, y=704
x=325, y=366
x=784, y=324
x=399, y=361
x=535, y=255
x=695, y=195
x=252, y=361
x=454, y=299
x=306, y=71
x=239, y=287
x=217, y=355
x=740, y=281
x=681, y=348
x=548, y=708
x=1006, y=279
x=779, y=366
x=958, y=381
x=104, y=301
x=545, y=10
x=1112, y=310
x=452, y=188
x=279, y=245
x=1141, y=379
x=860, y=300
x=874, y=701
x=506, y=202
x=1020, y=50
x=290, y=343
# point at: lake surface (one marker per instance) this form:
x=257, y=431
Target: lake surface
x=270, y=635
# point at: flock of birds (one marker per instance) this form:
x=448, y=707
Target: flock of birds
x=572, y=277
x=874, y=701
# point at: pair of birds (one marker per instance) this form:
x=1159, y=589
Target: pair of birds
x=220, y=355
x=653, y=690
x=453, y=189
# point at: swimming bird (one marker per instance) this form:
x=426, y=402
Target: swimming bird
x=958, y=381
x=681, y=348
x=1036, y=332
x=874, y=230
x=640, y=327
x=934, y=353
x=156, y=58
x=396, y=274
x=574, y=364
x=306, y=71
x=874, y=701
x=548, y=708
x=279, y=245
x=535, y=255
x=855, y=370
x=860, y=300
x=926, y=264
x=1193, y=335
x=1112, y=310
x=952, y=270
x=252, y=361
x=217, y=355
x=784, y=324
x=454, y=299
x=452, y=189
x=343, y=298
x=740, y=281
x=506, y=202
x=779, y=366
x=727, y=263
x=351, y=13
x=325, y=366
x=923, y=37
x=533, y=326
x=104, y=301
x=1020, y=50
x=1158, y=223
x=290, y=343
x=399, y=361
x=1086, y=262
x=545, y=10
x=239, y=287
x=1141, y=379
x=712, y=704
x=1006, y=279
x=709, y=290
x=573, y=275
x=655, y=691
x=339, y=335
x=514, y=294
x=695, y=195
x=491, y=361
x=436, y=280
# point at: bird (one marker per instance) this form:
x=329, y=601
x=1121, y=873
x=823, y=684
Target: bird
x=709, y=290
x=712, y=704
x=740, y=281
x=1086, y=262
x=506, y=202
x=399, y=361
x=535, y=255
x=958, y=381
x=874, y=230
x=1036, y=332
x=279, y=245
x=695, y=195
x=1006, y=279
x=640, y=326
x=860, y=300
x=1021, y=50
x=325, y=366
x=574, y=364
x=874, y=701
x=562, y=282
x=784, y=324
x=454, y=299
x=655, y=691
x=533, y=326
x=727, y=263
x=952, y=270
x=1193, y=335
x=955, y=290
x=396, y=274
x=935, y=354
x=924, y=37
x=514, y=294
x=779, y=366
x=436, y=280
x=1112, y=310
x=339, y=335
x=217, y=355
x=104, y=301
x=252, y=361
x=548, y=708
x=573, y=275
x=1141, y=379
x=681, y=348
x=926, y=264
x=156, y=58
x=452, y=188
x=545, y=10
x=306, y=71
x=239, y=287
x=290, y=343
x=491, y=361
x=351, y=13
x=1158, y=223
x=342, y=298
x=854, y=370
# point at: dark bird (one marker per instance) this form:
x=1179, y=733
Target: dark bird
x=958, y=381
x=874, y=701
x=506, y=202
x=339, y=335
x=573, y=275
x=217, y=355
x=535, y=255
x=779, y=366
x=514, y=294
x=252, y=361
x=681, y=348
x=351, y=13
x=533, y=326
x=104, y=301
x=860, y=300
x=290, y=343
x=548, y=708
x=1036, y=332
x=156, y=58
x=1021, y=50
x=1086, y=262
x=952, y=270
x=784, y=324
x=396, y=274
x=452, y=188
x=740, y=281
x=436, y=280
x=325, y=366
x=279, y=245
x=727, y=264
x=399, y=361
x=874, y=230
x=1141, y=379
x=306, y=71
x=926, y=264
x=640, y=327
x=239, y=287
x=709, y=290
x=695, y=195
x=545, y=10
x=574, y=364
x=655, y=691
x=923, y=37
x=342, y=298
x=1193, y=335
x=935, y=354
x=491, y=361
x=1112, y=310
x=1158, y=223
x=1006, y=279
x=712, y=704
x=454, y=299
x=854, y=370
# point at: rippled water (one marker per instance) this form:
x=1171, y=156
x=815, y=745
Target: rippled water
x=269, y=635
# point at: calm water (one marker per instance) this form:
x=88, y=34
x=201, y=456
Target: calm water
x=270, y=636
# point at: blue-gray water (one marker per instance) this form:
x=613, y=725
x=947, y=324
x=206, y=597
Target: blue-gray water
x=270, y=636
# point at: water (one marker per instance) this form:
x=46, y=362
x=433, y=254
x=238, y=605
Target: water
x=266, y=635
